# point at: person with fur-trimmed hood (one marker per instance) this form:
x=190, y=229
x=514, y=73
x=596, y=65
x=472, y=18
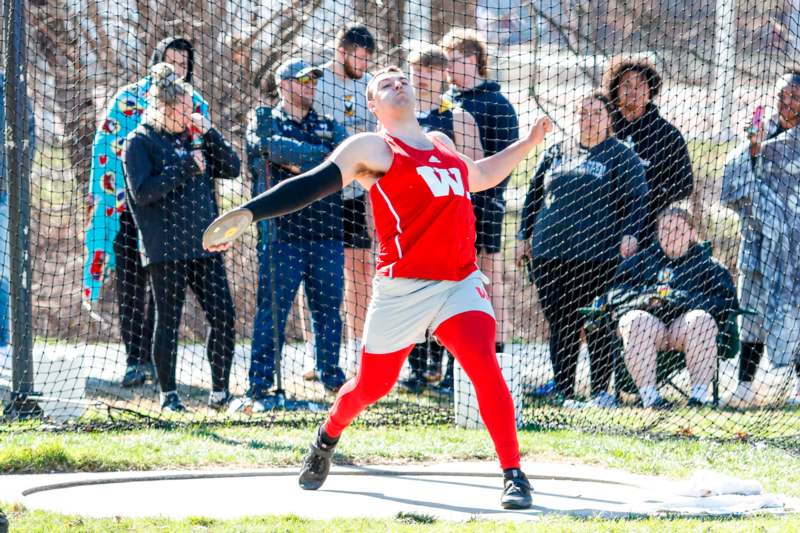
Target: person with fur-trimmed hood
x=111, y=238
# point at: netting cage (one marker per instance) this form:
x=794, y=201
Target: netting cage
x=641, y=263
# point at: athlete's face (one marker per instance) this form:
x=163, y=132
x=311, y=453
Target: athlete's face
x=391, y=92
x=178, y=59
x=355, y=61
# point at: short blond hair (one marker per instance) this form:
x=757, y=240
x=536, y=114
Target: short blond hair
x=428, y=56
x=469, y=43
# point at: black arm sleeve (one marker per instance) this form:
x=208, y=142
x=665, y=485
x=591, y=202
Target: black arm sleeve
x=296, y=193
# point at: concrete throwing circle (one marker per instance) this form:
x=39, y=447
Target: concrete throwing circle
x=457, y=491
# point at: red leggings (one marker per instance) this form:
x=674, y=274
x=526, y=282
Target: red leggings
x=470, y=338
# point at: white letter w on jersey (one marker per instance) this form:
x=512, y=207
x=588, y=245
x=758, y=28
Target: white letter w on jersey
x=441, y=181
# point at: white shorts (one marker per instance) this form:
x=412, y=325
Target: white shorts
x=403, y=309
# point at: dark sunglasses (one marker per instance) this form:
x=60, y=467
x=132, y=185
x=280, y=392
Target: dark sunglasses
x=306, y=80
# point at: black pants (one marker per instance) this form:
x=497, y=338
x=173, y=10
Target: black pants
x=209, y=283
x=563, y=287
x=134, y=297
x=426, y=355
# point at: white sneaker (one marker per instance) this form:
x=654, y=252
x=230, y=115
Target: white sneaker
x=603, y=400
x=574, y=404
x=744, y=396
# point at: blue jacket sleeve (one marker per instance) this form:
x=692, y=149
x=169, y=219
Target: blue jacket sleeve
x=632, y=193
x=339, y=133
x=147, y=187
x=265, y=139
x=534, y=198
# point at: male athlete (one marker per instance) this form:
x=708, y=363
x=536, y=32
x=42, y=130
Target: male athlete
x=426, y=275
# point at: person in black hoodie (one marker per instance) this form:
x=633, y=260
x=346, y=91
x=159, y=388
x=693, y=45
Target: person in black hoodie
x=685, y=296
x=583, y=211
x=498, y=126
x=633, y=84
x=171, y=161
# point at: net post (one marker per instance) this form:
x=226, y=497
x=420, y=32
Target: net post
x=17, y=184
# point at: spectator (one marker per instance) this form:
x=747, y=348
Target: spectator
x=428, y=71
x=171, y=160
x=305, y=246
x=111, y=239
x=633, y=84
x=754, y=185
x=691, y=296
x=497, y=121
x=583, y=210
x=5, y=235
x=341, y=94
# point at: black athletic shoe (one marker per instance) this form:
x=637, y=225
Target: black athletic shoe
x=172, y=402
x=696, y=402
x=332, y=379
x=445, y=387
x=662, y=405
x=517, y=491
x=415, y=383
x=136, y=375
x=316, y=464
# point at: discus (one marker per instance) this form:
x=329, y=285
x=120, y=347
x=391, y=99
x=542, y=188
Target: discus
x=227, y=228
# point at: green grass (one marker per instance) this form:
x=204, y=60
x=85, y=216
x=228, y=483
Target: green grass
x=253, y=447
x=38, y=521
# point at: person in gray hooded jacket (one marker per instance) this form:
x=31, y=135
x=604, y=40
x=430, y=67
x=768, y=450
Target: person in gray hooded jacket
x=759, y=180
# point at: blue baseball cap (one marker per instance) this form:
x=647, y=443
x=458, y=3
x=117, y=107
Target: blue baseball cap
x=296, y=68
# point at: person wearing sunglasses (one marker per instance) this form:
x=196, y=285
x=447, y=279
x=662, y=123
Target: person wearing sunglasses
x=305, y=246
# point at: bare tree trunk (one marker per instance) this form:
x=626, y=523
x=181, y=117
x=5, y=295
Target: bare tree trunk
x=448, y=14
x=385, y=20
x=293, y=18
x=73, y=92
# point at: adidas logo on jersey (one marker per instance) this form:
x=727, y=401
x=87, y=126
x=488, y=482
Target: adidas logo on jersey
x=434, y=159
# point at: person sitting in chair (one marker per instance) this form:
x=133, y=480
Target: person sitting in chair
x=679, y=298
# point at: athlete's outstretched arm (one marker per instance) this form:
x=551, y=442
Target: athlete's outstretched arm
x=357, y=156
x=489, y=172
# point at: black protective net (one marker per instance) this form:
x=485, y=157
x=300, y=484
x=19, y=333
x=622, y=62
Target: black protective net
x=642, y=260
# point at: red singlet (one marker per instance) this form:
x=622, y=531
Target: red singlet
x=423, y=215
